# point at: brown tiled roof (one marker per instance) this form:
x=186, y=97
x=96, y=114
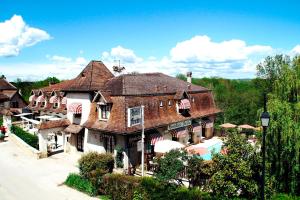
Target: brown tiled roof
x=5, y=85
x=73, y=128
x=155, y=116
x=149, y=84
x=93, y=78
x=3, y=97
x=54, y=124
x=9, y=93
x=5, y=112
x=58, y=86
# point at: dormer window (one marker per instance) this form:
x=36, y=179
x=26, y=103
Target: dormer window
x=43, y=104
x=55, y=105
x=161, y=104
x=170, y=102
x=104, y=112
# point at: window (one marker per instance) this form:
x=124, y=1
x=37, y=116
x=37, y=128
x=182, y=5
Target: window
x=161, y=104
x=55, y=105
x=77, y=115
x=170, y=102
x=104, y=112
x=14, y=104
x=193, y=99
x=43, y=104
x=34, y=103
x=109, y=144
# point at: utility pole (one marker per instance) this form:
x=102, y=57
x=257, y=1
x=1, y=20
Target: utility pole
x=143, y=138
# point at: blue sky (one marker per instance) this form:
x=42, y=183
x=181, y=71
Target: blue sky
x=210, y=38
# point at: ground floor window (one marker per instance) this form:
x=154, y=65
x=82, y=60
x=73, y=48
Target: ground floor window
x=108, y=143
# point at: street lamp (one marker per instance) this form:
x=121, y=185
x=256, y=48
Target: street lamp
x=265, y=119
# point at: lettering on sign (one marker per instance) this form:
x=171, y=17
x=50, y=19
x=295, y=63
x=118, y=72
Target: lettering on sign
x=179, y=124
x=134, y=116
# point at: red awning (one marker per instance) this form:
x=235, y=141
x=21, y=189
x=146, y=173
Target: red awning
x=155, y=138
x=185, y=104
x=197, y=128
x=179, y=133
x=75, y=108
x=32, y=98
x=64, y=100
x=53, y=99
x=40, y=99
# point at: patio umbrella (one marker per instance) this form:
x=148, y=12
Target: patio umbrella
x=194, y=149
x=165, y=146
x=228, y=125
x=246, y=126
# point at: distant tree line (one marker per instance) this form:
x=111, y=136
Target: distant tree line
x=26, y=87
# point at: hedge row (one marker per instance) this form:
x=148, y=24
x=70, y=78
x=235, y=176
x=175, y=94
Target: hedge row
x=30, y=139
x=81, y=184
x=122, y=187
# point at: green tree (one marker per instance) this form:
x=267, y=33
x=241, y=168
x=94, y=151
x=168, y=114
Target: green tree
x=283, y=137
x=236, y=174
x=171, y=165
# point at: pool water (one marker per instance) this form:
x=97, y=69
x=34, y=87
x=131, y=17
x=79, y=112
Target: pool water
x=216, y=148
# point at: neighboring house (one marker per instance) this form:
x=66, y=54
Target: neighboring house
x=93, y=112
x=16, y=101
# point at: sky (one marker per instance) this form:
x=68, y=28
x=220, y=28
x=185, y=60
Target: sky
x=226, y=39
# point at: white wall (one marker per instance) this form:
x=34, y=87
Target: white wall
x=92, y=142
x=84, y=99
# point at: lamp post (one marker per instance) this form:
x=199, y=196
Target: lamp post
x=265, y=119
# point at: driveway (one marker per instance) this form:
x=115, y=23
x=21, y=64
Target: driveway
x=24, y=177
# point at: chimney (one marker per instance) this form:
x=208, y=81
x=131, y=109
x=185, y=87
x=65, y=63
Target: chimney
x=189, y=77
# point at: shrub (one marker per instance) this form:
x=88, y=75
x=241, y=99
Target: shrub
x=119, y=156
x=93, y=166
x=190, y=194
x=285, y=197
x=30, y=139
x=119, y=187
x=81, y=184
x=1, y=120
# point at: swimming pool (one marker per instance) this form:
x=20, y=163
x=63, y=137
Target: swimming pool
x=215, y=147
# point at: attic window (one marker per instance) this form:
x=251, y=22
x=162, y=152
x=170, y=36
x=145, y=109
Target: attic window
x=43, y=104
x=170, y=102
x=193, y=99
x=161, y=104
x=55, y=105
x=83, y=74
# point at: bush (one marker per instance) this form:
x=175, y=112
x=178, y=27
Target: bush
x=285, y=197
x=81, y=184
x=93, y=166
x=120, y=187
x=1, y=120
x=30, y=139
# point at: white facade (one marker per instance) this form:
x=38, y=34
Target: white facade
x=85, y=100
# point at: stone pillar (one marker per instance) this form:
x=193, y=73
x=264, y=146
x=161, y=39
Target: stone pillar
x=43, y=144
x=85, y=140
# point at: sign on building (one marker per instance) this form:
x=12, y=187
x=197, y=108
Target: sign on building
x=179, y=124
x=134, y=116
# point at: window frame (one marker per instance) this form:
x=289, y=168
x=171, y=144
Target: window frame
x=104, y=112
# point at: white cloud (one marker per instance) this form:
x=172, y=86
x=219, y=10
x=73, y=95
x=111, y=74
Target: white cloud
x=295, y=50
x=15, y=35
x=202, y=56
x=200, y=49
x=58, y=66
x=123, y=54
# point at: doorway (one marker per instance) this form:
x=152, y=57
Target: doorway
x=80, y=141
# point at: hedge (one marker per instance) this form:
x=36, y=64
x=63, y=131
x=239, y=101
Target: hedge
x=30, y=139
x=122, y=187
x=77, y=182
x=93, y=166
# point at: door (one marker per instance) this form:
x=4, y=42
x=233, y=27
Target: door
x=80, y=140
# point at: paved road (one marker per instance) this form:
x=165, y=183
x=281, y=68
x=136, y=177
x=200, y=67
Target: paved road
x=25, y=178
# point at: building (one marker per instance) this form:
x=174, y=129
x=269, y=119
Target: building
x=96, y=112
x=10, y=95
x=11, y=101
